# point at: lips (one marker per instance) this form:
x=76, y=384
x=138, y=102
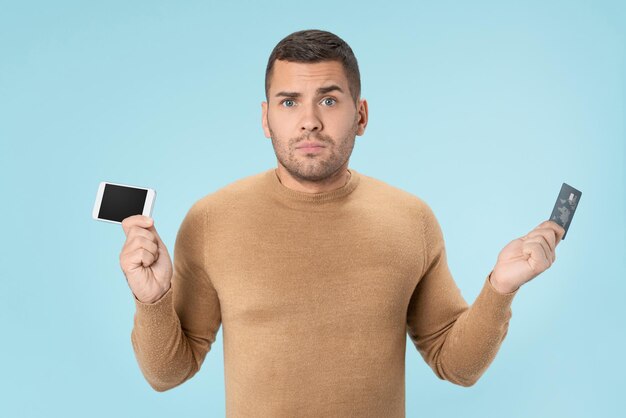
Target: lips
x=310, y=144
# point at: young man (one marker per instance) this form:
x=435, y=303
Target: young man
x=316, y=271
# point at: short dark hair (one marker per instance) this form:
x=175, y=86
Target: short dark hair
x=312, y=46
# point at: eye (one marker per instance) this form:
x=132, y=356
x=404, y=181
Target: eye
x=286, y=101
x=329, y=99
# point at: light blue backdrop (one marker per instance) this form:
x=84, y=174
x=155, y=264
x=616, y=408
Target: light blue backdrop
x=482, y=110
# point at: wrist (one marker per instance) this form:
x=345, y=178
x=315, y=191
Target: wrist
x=500, y=287
x=153, y=299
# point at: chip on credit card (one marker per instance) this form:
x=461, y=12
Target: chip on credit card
x=565, y=206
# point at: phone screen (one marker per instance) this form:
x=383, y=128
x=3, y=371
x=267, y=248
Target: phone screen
x=120, y=202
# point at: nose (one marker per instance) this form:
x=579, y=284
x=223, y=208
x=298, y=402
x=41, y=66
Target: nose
x=311, y=121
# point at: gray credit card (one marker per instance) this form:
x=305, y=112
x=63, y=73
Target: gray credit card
x=565, y=206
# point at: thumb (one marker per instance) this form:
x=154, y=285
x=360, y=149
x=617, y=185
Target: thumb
x=158, y=237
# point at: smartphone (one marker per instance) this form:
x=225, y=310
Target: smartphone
x=115, y=202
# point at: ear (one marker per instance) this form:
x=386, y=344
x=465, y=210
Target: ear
x=362, y=112
x=266, y=129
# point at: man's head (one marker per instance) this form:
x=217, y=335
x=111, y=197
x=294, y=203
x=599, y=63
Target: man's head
x=312, y=87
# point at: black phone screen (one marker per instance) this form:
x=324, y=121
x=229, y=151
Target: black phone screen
x=120, y=202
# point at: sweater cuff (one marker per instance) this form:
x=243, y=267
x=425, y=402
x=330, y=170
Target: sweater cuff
x=163, y=306
x=496, y=303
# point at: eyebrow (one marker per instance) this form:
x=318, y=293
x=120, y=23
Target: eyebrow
x=321, y=90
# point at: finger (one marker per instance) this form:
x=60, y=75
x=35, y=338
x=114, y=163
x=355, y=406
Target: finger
x=133, y=260
x=547, y=234
x=136, y=220
x=536, y=254
x=136, y=231
x=552, y=228
x=542, y=250
x=134, y=237
x=559, y=231
x=548, y=251
x=158, y=237
x=142, y=242
x=138, y=258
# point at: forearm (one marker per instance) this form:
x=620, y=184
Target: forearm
x=161, y=347
x=473, y=341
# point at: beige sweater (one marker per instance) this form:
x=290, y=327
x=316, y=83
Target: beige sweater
x=315, y=294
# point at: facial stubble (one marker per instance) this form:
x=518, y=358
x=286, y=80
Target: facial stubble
x=314, y=167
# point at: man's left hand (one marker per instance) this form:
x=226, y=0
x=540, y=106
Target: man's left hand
x=525, y=258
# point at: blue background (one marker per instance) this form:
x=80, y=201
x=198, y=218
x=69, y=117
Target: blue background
x=482, y=110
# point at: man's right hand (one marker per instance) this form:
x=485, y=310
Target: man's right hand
x=145, y=260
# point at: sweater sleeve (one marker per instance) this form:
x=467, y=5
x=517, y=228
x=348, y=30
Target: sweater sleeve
x=458, y=342
x=172, y=336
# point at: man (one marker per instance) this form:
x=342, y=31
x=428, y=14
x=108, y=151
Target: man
x=316, y=271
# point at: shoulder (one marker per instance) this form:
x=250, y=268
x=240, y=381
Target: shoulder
x=394, y=196
x=233, y=194
x=406, y=207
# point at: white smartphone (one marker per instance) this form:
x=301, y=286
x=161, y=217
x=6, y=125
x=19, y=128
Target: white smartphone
x=115, y=202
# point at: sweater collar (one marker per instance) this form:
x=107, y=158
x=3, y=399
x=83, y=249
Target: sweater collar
x=311, y=199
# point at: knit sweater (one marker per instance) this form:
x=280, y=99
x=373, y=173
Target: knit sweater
x=315, y=294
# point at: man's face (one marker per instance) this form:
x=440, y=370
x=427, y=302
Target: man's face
x=310, y=104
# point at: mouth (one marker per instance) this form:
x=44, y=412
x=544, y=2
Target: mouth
x=310, y=146
x=310, y=149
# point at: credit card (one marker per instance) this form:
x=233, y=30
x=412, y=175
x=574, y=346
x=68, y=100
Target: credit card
x=565, y=206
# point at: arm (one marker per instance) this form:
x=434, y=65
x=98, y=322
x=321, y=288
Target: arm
x=172, y=336
x=457, y=341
